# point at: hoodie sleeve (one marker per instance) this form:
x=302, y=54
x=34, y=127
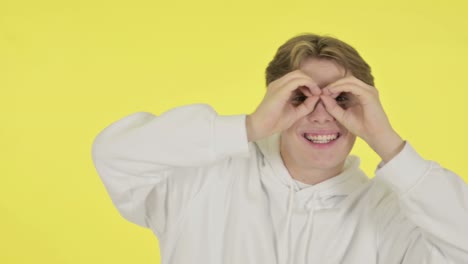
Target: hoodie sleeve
x=429, y=221
x=138, y=156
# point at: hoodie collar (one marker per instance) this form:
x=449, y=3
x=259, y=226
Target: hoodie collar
x=341, y=185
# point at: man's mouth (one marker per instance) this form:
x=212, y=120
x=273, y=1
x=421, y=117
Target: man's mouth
x=321, y=138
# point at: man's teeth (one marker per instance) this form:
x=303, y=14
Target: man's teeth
x=321, y=139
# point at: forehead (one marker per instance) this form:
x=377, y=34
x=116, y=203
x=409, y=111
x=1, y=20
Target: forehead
x=322, y=71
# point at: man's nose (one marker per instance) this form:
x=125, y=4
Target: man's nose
x=320, y=114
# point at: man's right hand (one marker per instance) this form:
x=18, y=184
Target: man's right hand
x=287, y=100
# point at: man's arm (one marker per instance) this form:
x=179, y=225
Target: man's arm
x=136, y=156
x=429, y=223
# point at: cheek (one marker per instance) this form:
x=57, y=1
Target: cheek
x=289, y=136
x=292, y=130
x=289, y=139
x=302, y=122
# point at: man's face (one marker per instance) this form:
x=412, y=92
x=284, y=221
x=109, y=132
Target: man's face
x=317, y=141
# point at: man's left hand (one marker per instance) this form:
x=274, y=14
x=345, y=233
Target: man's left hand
x=356, y=105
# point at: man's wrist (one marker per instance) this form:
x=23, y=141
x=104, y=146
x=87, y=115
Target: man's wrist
x=387, y=147
x=251, y=133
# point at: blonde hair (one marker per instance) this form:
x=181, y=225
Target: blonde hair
x=290, y=55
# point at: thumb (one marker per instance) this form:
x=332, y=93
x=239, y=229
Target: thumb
x=333, y=108
x=307, y=106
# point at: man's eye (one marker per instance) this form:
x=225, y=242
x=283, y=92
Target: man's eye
x=298, y=99
x=342, y=98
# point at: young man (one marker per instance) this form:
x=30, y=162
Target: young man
x=278, y=186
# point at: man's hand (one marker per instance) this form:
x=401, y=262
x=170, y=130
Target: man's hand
x=358, y=108
x=287, y=99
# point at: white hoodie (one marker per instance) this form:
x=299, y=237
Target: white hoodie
x=211, y=197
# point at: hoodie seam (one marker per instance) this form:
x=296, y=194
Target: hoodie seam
x=417, y=182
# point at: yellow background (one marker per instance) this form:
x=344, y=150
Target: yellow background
x=70, y=68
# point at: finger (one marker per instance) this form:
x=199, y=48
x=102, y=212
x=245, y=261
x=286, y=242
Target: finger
x=306, y=91
x=315, y=90
x=325, y=91
x=360, y=92
x=333, y=108
x=291, y=77
x=307, y=106
x=351, y=80
x=332, y=95
x=352, y=88
x=286, y=78
x=300, y=82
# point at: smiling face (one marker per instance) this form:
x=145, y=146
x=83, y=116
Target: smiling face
x=317, y=143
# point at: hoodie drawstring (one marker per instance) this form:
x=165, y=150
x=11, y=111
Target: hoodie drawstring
x=309, y=223
x=286, y=230
x=286, y=235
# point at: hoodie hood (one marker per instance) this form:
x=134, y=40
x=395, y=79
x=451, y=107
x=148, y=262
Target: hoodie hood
x=324, y=195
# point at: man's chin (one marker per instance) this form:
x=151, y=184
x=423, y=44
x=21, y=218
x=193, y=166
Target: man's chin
x=323, y=164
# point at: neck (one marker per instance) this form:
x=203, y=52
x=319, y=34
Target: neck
x=310, y=175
